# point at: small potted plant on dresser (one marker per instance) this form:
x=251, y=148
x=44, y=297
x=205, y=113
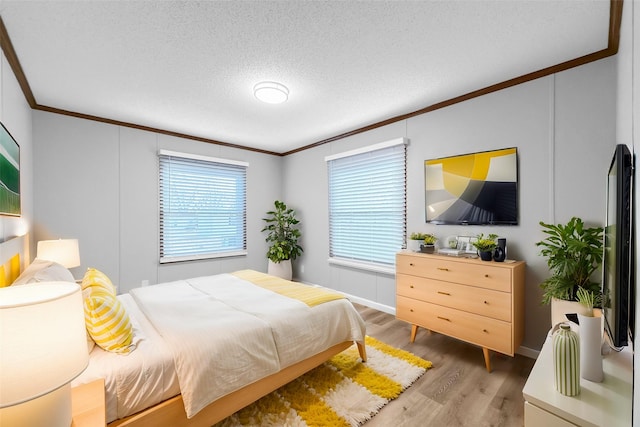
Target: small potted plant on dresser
x=415, y=241
x=486, y=245
x=429, y=244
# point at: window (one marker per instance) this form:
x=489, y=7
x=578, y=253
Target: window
x=202, y=207
x=367, y=204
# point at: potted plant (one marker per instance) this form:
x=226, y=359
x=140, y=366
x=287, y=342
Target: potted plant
x=415, y=240
x=589, y=300
x=574, y=254
x=486, y=245
x=283, y=235
x=591, y=329
x=429, y=241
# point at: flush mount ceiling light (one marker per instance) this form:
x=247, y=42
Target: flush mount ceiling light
x=271, y=92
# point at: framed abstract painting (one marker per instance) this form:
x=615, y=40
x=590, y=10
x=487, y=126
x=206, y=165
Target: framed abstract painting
x=9, y=174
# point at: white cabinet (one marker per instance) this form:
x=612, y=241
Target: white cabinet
x=605, y=404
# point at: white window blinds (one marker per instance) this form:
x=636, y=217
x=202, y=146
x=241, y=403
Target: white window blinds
x=202, y=207
x=367, y=203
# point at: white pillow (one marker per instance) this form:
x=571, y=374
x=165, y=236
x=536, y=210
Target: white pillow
x=44, y=271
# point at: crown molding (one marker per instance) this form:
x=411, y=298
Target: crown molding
x=615, y=19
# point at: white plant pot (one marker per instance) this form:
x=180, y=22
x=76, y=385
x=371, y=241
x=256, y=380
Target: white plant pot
x=561, y=307
x=280, y=269
x=591, y=348
x=414, y=245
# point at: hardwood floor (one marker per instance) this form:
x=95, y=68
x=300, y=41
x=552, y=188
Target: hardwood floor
x=457, y=390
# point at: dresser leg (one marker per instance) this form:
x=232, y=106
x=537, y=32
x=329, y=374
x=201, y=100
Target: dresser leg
x=414, y=331
x=487, y=360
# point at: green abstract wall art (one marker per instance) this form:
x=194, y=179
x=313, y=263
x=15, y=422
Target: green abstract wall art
x=9, y=174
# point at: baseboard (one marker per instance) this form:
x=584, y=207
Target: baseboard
x=528, y=352
x=363, y=301
x=381, y=307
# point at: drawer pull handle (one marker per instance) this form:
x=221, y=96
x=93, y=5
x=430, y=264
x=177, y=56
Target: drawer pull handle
x=443, y=269
x=411, y=310
x=411, y=264
x=485, y=331
x=444, y=318
x=444, y=293
x=486, y=275
x=486, y=302
x=411, y=286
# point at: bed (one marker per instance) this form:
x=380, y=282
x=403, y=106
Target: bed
x=183, y=332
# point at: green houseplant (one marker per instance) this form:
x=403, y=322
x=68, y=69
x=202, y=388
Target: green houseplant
x=417, y=236
x=589, y=300
x=429, y=243
x=430, y=239
x=414, y=241
x=486, y=245
x=282, y=234
x=574, y=253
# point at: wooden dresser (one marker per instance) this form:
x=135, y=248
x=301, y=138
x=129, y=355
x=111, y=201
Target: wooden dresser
x=480, y=302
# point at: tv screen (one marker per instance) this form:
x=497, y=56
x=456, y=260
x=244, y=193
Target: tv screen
x=617, y=289
x=477, y=188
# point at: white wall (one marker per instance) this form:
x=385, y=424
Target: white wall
x=98, y=183
x=15, y=114
x=564, y=129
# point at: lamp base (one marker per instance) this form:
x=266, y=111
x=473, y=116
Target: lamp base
x=51, y=410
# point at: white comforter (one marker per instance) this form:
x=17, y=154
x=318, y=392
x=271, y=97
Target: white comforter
x=225, y=333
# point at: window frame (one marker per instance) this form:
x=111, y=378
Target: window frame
x=214, y=162
x=380, y=267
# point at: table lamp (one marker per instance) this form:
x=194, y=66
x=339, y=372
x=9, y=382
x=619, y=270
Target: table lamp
x=42, y=349
x=62, y=251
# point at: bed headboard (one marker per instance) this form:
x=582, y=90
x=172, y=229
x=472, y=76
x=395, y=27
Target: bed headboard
x=14, y=254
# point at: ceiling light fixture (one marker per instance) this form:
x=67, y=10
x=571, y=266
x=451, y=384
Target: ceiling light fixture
x=271, y=92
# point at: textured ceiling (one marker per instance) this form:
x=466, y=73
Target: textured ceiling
x=190, y=66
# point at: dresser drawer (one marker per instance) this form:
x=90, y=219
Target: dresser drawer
x=469, y=272
x=481, y=301
x=483, y=331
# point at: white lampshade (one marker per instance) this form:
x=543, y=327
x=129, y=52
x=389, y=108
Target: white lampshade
x=63, y=251
x=271, y=92
x=42, y=349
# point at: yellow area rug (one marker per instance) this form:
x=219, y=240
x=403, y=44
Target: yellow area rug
x=341, y=392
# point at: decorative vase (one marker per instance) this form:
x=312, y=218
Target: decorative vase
x=485, y=255
x=566, y=361
x=590, y=348
x=280, y=269
x=500, y=254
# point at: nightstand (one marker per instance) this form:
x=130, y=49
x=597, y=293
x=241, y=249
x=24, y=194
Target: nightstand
x=88, y=405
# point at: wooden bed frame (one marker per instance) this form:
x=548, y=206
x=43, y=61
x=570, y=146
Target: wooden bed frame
x=171, y=412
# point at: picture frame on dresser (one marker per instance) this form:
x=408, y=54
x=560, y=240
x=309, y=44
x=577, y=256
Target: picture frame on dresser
x=10, y=203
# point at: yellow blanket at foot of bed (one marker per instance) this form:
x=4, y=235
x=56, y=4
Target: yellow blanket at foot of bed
x=309, y=295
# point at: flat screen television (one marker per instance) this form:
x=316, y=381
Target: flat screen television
x=618, y=292
x=473, y=189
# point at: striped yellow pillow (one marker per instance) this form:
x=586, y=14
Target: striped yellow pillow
x=96, y=279
x=107, y=322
